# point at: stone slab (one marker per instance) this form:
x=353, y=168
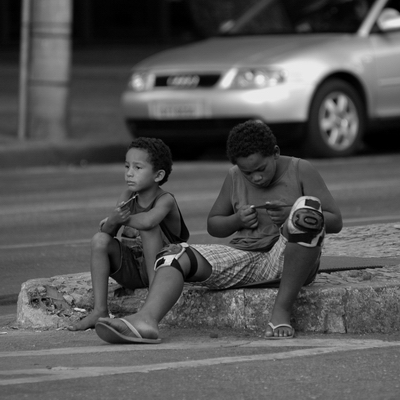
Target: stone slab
x=357, y=301
x=346, y=302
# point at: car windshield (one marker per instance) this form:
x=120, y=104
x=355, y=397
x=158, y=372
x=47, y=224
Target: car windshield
x=305, y=16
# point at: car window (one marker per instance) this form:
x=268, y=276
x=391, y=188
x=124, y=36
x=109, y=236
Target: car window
x=391, y=11
x=307, y=16
x=394, y=5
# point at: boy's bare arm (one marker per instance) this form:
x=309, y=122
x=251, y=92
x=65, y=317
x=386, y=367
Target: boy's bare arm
x=223, y=221
x=118, y=216
x=314, y=185
x=150, y=219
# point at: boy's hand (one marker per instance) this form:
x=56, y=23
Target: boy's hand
x=278, y=214
x=120, y=214
x=102, y=222
x=248, y=217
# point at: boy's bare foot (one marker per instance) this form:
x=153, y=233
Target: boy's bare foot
x=279, y=326
x=279, y=331
x=88, y=322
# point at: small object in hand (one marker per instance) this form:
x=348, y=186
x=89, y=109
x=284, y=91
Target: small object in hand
x=128, y=201
x=268, y=206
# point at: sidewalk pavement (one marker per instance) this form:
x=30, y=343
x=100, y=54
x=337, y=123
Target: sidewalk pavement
x=365, y=300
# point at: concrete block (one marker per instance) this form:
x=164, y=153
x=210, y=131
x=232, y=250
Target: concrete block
x=199, y=307
x=373, y=309
x=57, y=302
x=345, y=302
x=320, y=310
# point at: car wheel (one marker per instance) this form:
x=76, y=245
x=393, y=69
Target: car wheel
x=336, y=122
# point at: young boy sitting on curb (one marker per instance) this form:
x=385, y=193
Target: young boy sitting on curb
x=143, y=207
x=281, y=239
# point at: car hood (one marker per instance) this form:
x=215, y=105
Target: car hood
x=238, y=51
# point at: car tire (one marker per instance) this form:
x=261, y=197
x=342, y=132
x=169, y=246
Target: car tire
x=336, y=121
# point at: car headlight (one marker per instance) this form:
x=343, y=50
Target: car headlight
x=257, y=78
x=139, y=81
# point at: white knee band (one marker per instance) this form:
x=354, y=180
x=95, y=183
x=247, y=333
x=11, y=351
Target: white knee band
x=306, y=222
x=169, y=256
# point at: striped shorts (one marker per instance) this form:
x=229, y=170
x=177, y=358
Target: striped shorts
x=231, y=267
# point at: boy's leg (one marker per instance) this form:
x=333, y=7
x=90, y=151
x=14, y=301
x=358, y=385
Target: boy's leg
x=105, y=259
x=164, y=292
x=152, y=243
x=300, y=258
x=298, y=265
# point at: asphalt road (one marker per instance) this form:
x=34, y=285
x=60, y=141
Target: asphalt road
x=47, y=217
x=191, y=365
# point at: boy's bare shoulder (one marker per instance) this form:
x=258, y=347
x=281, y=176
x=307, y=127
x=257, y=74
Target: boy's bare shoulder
x=306, y=167
x=165, y=199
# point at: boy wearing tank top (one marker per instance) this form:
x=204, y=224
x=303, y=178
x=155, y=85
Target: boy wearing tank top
x=150, y=218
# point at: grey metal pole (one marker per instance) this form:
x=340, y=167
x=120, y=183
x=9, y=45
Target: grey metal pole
x=24, y=68
x=49, y=69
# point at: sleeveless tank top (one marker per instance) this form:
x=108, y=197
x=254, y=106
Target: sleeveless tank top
x=168, y=234
x=286, y=189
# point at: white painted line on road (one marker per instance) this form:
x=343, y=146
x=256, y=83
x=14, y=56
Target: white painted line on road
x=104, y=348
x=66, y=242
x=107, y=203
x=365, y=185
x=390, y=218
x=59, y=373
x=193, y=196
x=45, y=244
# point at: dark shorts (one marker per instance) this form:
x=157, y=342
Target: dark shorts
x=131, y=273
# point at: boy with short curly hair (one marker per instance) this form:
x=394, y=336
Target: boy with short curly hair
x=150, y=218
x=278, y=210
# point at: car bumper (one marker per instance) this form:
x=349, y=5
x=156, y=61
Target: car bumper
x=279, y=104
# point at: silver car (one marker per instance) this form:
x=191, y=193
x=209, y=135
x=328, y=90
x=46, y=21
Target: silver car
x=321, y=73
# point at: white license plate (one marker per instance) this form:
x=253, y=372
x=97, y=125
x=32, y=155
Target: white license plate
x=177, y=110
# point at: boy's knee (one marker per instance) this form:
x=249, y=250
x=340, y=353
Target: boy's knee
x=170, y=256
x=152, y=238
x=101, y=240
x=305, y=225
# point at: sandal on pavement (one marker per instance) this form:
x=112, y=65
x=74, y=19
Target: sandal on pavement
x=111, y=335
x=274, y=327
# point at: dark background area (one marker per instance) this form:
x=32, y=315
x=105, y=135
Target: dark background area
x=112, y=21
x=133, y=22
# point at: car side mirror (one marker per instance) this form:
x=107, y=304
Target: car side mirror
x=226, y=26
x=389, y=20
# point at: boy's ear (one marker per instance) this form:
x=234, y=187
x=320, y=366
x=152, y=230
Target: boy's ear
x=159, y=175
x=277, y=152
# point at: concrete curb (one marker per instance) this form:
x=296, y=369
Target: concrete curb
x=355, y=301
x=364, y=301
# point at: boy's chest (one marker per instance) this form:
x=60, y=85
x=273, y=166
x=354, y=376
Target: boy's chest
x=282, y=192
